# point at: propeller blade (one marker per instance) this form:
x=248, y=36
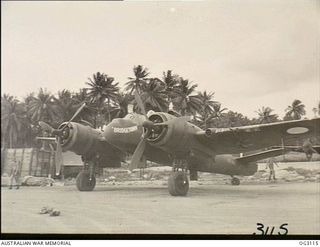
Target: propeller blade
x=46, y=127
x=86, y=122
x=174, y=120
x=74, y=116
x=148, y=124
x=140, y=103
x=137, y=155
x=58, y=156
x=77, y=112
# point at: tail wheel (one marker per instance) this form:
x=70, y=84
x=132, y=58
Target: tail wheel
x=178, y=184
x=193, y=175
x=235, y=181
x=84, y=183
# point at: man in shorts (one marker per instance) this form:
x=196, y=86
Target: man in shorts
x=15, y=174
x=270, y=164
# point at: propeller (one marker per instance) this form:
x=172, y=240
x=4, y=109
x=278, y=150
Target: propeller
x=147, y=124
x=147, y=127
x=138, y=153
x=140, y=103
x=58, y=134
x=58, y=156
x=74, y=115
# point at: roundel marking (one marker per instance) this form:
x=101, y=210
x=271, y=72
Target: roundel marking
x=297, y=130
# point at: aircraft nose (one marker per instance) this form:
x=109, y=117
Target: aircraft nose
x=122, y=132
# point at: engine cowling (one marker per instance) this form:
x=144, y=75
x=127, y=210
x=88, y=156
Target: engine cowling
x=173, y=137
x=79, y=138
x=85, y=141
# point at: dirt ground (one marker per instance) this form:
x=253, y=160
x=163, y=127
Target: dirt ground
x=147, y=207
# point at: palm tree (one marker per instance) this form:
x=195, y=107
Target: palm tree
x=96, y=90
x=207, y=106
x=66, y=105
x=218, y=111
x=207, y=101
x=231, y=119
x=122, y=102
x=154, y=95
x=265, y=115
x=171, y=81
x=13, y=114
x=111, y=93
x=31, y=129
x=28, y=98
x=184, y=99
x=204, y=121
x=295, y=111
x=89, y=112
x=43, y=107
x=139, y=79
x=102, y=88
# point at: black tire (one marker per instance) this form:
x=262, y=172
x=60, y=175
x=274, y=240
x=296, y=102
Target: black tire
x=84, y=183
x=235, y=181
x=193, y=175
x=178, y=184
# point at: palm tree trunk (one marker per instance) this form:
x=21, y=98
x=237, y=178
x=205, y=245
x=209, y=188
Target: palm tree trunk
x=3, y=142
x=183, y=112
x=95, y=121
x=109, y=119
x=10, y=137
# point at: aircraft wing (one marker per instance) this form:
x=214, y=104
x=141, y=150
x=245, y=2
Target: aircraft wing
x=315, y=149
x=249, y=138
x=261, y=155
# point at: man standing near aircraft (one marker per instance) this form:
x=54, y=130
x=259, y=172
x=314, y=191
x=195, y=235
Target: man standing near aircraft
x=270, y=164
x=15, y=174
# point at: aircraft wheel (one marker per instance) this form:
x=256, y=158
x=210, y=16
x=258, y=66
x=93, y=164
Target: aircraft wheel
x=193, y=175
x=84, y=183
x=235, y=181
x=178, y=184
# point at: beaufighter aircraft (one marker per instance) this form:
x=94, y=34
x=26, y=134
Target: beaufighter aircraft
x=169, y=140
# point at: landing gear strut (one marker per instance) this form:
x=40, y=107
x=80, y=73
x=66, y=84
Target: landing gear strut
x=235, y=181
x=86, y=180
x=178, y=183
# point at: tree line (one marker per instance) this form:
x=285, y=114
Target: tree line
x=105, y=101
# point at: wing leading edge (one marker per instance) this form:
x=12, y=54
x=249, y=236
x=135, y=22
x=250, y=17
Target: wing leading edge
x=249, y=138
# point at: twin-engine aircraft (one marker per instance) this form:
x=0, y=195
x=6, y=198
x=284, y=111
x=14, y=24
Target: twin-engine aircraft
x=173, y=141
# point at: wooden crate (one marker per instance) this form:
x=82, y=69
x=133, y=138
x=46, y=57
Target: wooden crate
x=34, y=162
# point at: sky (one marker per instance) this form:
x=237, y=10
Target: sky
x=250, y=53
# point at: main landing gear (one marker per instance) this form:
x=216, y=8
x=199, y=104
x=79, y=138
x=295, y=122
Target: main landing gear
x=235, y=181
x=178, y=183
x=86, y=180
